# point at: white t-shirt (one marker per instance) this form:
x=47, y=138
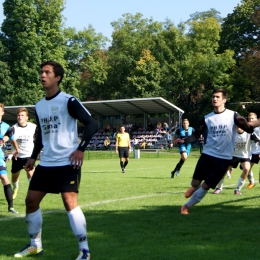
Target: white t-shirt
x=242, y=145
x=24, y=136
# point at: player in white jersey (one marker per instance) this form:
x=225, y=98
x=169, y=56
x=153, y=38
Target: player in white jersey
x=242, y=154
x=255, y=151
x=24, y=135
x=59, y=169
x=218, y=151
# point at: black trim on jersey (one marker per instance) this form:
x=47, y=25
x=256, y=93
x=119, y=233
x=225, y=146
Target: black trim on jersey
x=38, y=141
x=77, y=111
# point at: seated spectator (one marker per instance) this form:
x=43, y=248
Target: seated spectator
x=107, y=143
x=95, y=143
x=168, y=138
x=134, y=142
x=108, y=128
x=158, y=128
x=143, y=143
x=150, y=127
x=165, y=128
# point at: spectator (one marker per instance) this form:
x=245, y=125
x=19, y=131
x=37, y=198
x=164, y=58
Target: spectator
x=107, y=143
x=108, y=128
x=95, y=143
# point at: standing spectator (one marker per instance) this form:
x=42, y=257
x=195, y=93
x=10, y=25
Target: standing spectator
x=24, y=135
x=184, y=148
x=201, y=143
x=59, y=169
x=218, y=151
x=123, y=147
x=107, y=142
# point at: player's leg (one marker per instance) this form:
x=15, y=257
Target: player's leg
x=126, y=156
x=219, y=187
x=241, y=181
x=7, y=190
x=76, y=217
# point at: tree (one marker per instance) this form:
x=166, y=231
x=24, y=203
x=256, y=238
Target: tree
x=212, y=13
x=31, y=33
x=144, y=80
x=86, y=63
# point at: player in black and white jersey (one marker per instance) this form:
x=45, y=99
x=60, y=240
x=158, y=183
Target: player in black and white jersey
x=218, y=151
x=24, y=135
x=59, y=169
x=242, y=155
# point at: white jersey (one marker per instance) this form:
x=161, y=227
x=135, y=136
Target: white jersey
x=24, y=136
x=242, y=145
x=58, y=130
x=221, y=134
x=255, y=147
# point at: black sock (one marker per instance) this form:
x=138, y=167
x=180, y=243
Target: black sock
x=125, y=164
x=121, y=164
x=179, y=164
x=8, y=195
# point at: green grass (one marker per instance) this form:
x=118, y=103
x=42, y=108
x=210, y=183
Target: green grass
x=136, y=215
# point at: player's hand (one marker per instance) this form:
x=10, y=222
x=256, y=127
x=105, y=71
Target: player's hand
x=178, y=141
x=76, y=159
x=15, y=154
x=29, y=165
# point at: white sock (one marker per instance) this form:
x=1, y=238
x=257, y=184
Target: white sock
x=250, y=177
x=197, y=196
x=15, y=185
x=220, y=184
x=240, y=184
x=78, y=226
x=34, y=227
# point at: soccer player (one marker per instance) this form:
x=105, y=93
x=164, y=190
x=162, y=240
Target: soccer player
x=24, y=135
x=6, y=133
x=218, y=151
x=241, y=155
x=61, y=160
x=184, y=148
x=255, y=150
x=123, y=147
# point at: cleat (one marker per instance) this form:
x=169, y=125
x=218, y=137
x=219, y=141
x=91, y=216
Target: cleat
x=172, y=174
x=217, y=191
x=15, y=191
x=251, y=185
x=189, y=192
x=123, y=170
x=84, y=254
x=177, y=173
x=12, y=210
x=30, y=250
x=184, y=210
x=237, y=192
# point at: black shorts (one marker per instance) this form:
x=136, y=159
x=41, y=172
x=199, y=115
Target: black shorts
x=210, y=169
x=123, y=152
x=17, y=165
x=235, y=161
x=255, y=158
x=55, y=179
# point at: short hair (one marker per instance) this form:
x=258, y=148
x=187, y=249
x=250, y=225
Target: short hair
x=223, y=91
x=252, y=114
x=57, y=69
x=22, y=109
x=185, y=119
x=2, y=106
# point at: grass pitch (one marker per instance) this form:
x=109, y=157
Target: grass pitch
x=136, y=215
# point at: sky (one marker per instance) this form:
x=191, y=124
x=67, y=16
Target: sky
x=100, y=13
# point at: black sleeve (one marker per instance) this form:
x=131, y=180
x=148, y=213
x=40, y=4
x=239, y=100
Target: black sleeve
x=79, y=112
x=254, y=137
x=10, y=132
x=38, y=141
x=242, y=123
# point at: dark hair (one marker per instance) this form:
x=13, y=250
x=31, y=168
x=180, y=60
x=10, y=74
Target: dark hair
x=223, y=91
x=57, y=69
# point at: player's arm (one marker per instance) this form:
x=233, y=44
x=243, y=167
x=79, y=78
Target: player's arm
x=79, y=112
x=9, y=135
x=243, y=124
x=38, y=141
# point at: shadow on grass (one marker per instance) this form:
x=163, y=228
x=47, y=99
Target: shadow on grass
x=218, y=231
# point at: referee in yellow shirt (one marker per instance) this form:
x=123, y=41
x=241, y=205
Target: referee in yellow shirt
x=123, y=147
